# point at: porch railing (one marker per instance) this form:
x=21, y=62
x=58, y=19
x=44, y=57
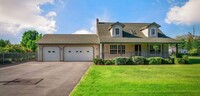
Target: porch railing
x=12, y=57
x=107, y=55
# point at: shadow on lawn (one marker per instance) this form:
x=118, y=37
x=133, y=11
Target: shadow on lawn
x=194, y=60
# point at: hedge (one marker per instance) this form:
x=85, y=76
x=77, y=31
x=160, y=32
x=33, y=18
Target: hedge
x=138, y=60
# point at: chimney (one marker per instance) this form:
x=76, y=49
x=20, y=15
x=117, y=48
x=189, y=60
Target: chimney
x=97, y=20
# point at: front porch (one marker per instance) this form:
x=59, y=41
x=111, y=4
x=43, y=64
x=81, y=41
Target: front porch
x=110, y=51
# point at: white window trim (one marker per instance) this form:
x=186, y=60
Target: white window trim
x=151, y=32
x=114, y=31
x=119, y=49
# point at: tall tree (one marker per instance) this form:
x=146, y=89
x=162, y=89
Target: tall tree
x=30, y=38
x=3, y=43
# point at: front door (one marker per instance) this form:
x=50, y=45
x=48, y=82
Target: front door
x=138, y=50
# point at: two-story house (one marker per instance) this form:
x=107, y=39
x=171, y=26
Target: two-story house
x=112, y=39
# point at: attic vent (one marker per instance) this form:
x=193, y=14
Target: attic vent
x=133, y=32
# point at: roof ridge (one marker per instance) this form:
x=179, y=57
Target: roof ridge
x=127, y=22
x=70, y=34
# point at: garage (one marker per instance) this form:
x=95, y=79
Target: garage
x=78, y=53
x=51, y=54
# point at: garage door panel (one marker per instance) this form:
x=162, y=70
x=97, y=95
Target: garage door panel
x=78, y=54
x=51, y=54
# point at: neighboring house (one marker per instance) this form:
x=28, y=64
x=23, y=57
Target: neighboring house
x=111, y=40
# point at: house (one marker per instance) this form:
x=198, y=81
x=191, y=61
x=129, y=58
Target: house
x=112, y=39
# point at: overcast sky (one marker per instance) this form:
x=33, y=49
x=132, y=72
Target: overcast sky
x=176, y=17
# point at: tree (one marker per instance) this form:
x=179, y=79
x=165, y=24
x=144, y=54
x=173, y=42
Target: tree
x=15, y=48
x=3, y=43
x=30, y=38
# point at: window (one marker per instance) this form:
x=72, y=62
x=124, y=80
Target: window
x=121, y=49
x=155, y=49
x=113, y=49
x=153, y=32
x=117, y=49
x=117, y=31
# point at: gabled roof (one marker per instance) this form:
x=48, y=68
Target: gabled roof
x=117, y=23
x=69, y=39
x=131, y=34
x=155, y=24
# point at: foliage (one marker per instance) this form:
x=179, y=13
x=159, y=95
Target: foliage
x=167, y=61
x=109, y=62
x=16, y=48
x=138, y=59
x=130, y=62
x=121, y=60
x=179, y=61
x=98, y=61
x=30, y=38
x=179, y=55
x=186, y=58
x=190, y=43
x=194, y=52
x=155, y=60
x=3, y=43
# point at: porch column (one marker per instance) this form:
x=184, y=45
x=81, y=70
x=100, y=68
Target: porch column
x=102, y=51
x=176, y=49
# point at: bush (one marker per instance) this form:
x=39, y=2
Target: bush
x=193, y=52
x=155, y=60
x=130, y=62
x=179, y=55
x=167, y=61
x=186, y=58
x=138, y=59
x=120, y=60
x=98, y=61
x=109, y=62
x=179, y=61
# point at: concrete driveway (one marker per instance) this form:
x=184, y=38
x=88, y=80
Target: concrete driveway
x=59, y=78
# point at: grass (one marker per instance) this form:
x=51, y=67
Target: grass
x=142, y=80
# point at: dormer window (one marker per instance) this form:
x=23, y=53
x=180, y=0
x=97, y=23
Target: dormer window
x=153, y=32
x=117, y=31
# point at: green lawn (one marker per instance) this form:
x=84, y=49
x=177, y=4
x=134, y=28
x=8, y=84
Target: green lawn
x=141, y=80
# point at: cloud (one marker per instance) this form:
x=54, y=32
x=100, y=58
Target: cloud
x=105, y=17
x=187, y=14
x=83, y=31
x=17, y=16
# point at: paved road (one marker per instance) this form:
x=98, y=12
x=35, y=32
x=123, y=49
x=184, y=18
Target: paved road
x=59, y=78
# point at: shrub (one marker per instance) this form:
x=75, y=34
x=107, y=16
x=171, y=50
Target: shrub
x=155, y=60
x=179, y=61
x=179, y=55
x=186, y=58
x=193, y=52
x=120, y=60
x=109, y=62
x=130, y=62
x=98, y=61
x=138, y=59
x=167, y=61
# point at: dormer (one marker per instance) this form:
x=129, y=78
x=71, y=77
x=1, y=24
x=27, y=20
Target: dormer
x=116, y=29
x=151, y=30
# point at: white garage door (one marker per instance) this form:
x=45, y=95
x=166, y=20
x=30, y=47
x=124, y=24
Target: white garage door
x=78, y=54
x=51, y=54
